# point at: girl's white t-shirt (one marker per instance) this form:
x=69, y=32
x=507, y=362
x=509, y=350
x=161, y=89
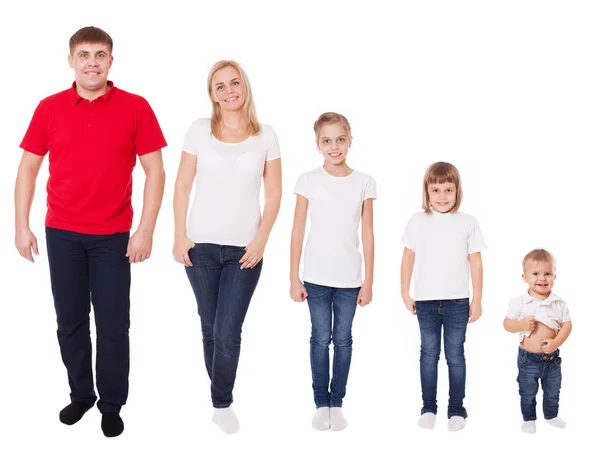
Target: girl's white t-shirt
x=226, y=208
x=442, y=243
x=331, y=255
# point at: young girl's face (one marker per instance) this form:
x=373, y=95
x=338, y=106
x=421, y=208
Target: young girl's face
x=540, y=278
x=334, y=142
x=442, y=197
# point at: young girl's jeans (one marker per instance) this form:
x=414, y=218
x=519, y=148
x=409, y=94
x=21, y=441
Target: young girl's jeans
x=223, y=294
x=453, y=316
x=532, y=368
x=330, y=305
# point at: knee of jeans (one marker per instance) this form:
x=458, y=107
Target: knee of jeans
x=113, y=331
x=455, y=355
x=320, y=339
x=343, y=341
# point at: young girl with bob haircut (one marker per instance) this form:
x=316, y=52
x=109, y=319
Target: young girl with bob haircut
x=338, y=198
x=223, y=243
x=443, y=246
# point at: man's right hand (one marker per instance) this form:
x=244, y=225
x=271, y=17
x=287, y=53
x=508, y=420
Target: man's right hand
x=25, y=242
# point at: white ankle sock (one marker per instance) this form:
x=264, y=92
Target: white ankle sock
x=225, y=418
x=338, y=422
x=427, y=420
x=557, y=422
x=528, y=427
x=321, y=419
x=456, y=423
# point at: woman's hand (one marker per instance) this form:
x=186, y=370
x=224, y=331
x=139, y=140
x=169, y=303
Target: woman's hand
x=254, y=253
x=181, y=249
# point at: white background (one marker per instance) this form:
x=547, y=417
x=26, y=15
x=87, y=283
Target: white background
x=507, y=91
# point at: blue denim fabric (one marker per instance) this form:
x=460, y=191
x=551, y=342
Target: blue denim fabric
x=330, y=306
x=223, y=292
x=86, y=267
x=533, y=368
x=453, y=316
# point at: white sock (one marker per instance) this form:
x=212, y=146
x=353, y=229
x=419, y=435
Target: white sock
x=528, y=427
x=338, y=422
x=225, y=418
x=321, y=419
x=557, y=422
x=427, y=420
x=456, y=423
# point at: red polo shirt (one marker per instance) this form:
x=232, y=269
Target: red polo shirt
x=93, y=147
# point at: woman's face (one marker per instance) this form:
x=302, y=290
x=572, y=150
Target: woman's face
x=228, y=89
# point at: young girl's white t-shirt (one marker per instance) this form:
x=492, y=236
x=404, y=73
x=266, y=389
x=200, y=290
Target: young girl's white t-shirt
x=331, y=255
x=226, y=208
x=442, y=243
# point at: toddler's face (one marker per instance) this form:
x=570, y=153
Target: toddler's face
x=442, y=197
x=334, y=143
x=540, y=278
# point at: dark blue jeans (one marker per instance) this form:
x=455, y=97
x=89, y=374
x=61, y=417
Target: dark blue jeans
x=84, y=267
x=533, y=368
x=223, y=294
x=330, y=306
x=453, y=316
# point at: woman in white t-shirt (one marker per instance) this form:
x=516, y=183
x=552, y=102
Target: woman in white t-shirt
x=223, y=243
x=338, y=198
x=443, y=246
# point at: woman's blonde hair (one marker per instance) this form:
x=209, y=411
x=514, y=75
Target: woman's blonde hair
x=539, y=255
x=248, y=107
x=440, y=173
x=331, y=118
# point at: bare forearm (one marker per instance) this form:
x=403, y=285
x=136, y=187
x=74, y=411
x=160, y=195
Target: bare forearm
x=406, y=270
x=181, y=202
x=296, y=252
x=24, y=192
x=270, y=212
x=476, y=275
x=563, y=333
x=153, y=194
x=368, y=243
x=512, y=326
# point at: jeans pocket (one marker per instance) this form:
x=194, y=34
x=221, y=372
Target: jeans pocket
x=462, y=301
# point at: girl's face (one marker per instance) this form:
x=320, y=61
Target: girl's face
x=228, y=89
x=442, y=197
x=333, y=142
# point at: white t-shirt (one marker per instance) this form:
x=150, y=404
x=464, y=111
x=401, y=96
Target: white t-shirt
x=226, y=208
x=331, y=255
x=552, y=311
x=442, y=243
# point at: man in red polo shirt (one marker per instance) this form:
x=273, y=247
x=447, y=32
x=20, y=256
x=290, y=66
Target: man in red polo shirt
x=92, y=133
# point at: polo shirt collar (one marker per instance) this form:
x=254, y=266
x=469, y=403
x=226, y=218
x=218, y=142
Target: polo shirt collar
x=75, y=97
x=553, y=297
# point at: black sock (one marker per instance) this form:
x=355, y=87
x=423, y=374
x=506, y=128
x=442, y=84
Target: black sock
x=112, y=424
x=73, y=412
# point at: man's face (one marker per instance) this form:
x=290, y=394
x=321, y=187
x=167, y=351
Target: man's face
x=91, y=63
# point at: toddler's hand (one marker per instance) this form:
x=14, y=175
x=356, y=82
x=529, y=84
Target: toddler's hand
x=528, y=323
x=549, y=345
x=410, y=305
x=297, y=291
x=365, y=295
